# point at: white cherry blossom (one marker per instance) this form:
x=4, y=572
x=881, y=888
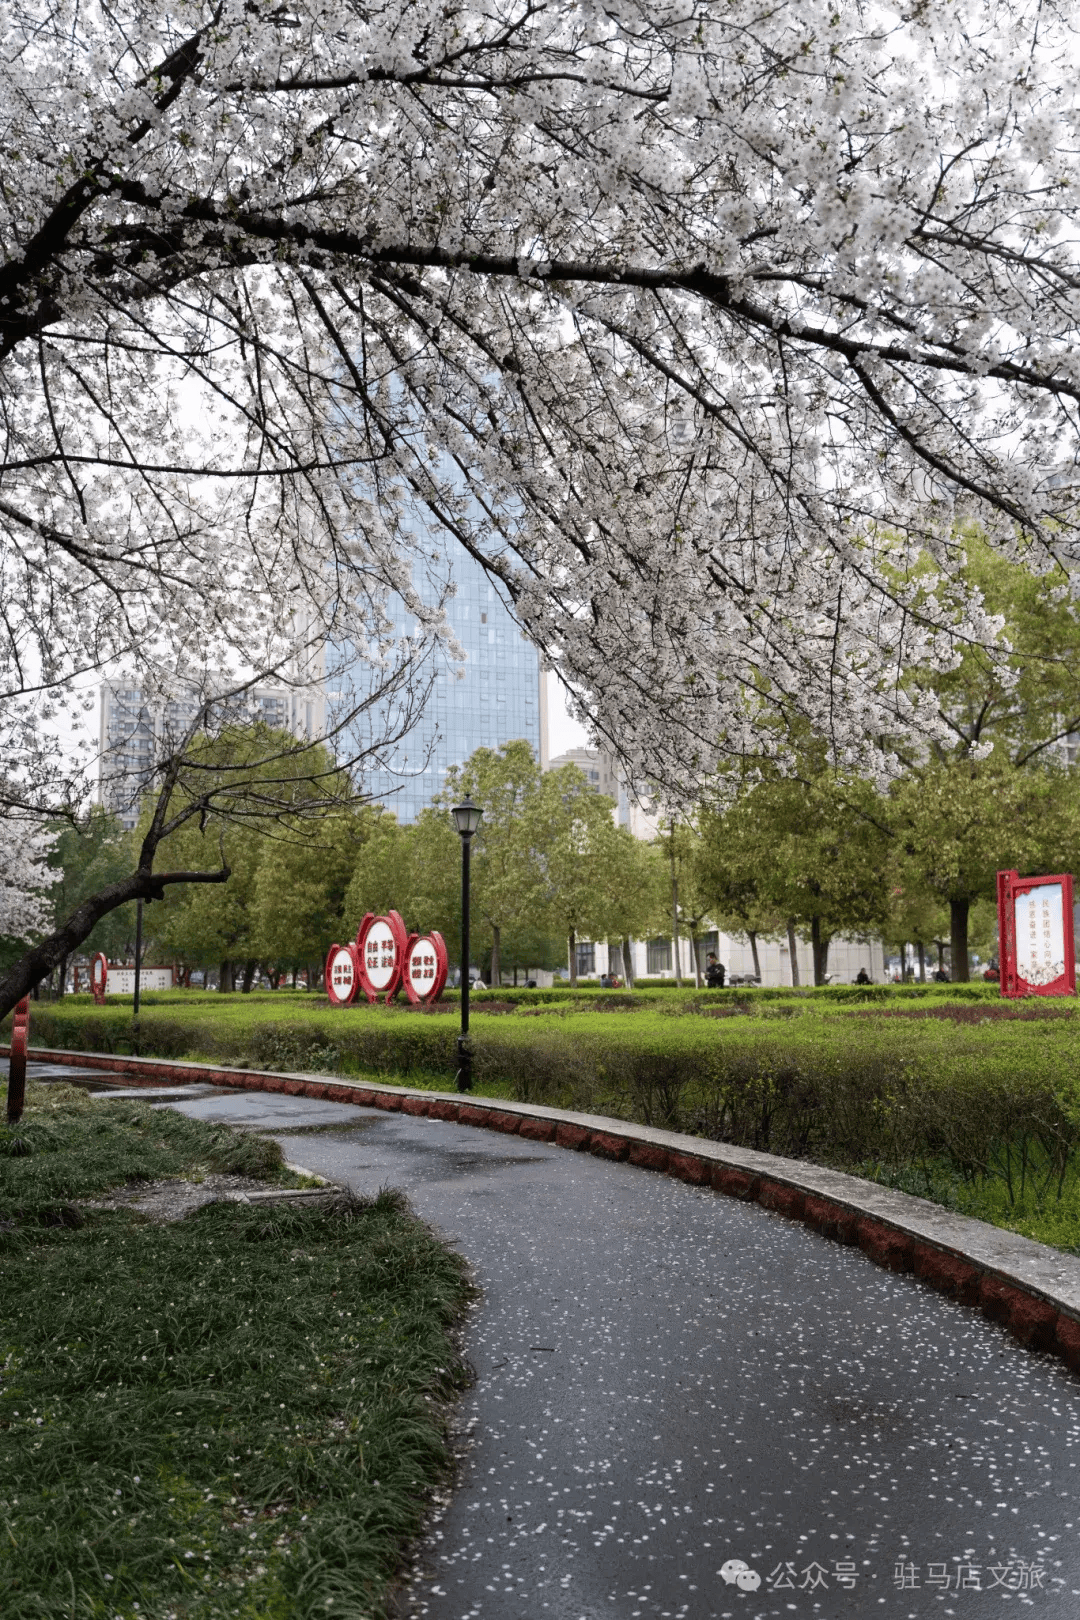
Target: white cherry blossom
x=693, y=322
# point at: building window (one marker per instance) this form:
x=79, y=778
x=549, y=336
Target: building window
x=586, y=958
x=658, y=953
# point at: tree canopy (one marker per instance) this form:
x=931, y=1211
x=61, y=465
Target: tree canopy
x=657, y=309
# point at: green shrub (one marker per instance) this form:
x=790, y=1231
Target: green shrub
x=888, y=1078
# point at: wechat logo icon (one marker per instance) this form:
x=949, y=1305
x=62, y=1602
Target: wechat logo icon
x=737, y=1573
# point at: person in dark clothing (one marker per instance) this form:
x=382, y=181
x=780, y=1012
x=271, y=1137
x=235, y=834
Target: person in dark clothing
x=715, y=972
x=862, y=977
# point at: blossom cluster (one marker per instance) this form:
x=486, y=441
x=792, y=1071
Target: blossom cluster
x=698, y=325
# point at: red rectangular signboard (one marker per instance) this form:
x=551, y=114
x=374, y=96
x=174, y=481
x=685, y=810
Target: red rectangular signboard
x=1035, y=935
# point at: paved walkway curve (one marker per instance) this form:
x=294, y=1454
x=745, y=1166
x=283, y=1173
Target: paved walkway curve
x=694, y=1407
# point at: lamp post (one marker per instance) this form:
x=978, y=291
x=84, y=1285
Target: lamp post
x=466, y=820
x=138, y=952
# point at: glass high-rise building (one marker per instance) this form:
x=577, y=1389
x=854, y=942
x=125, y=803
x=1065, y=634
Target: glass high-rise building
x=491, y=699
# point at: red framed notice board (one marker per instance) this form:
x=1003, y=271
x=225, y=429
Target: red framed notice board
x=1035, y=935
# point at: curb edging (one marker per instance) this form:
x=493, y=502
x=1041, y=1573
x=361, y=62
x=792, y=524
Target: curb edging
x=1026, y=1287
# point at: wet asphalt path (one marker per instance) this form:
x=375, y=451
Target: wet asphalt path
x=668, y=1381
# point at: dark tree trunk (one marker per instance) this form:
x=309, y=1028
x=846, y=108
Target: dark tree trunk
x=675, y=909
x=572, y=943
x=922, y=962
x=496, y=957
x=820, y=946
x=627, y=962
x=27, y=973
x=249, y=973
x=793, y=951
x=752, y=937
x=958, y=939
x=225, y=978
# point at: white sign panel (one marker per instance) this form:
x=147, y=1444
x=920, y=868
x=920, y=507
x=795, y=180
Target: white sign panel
x=422, y=967
x=341, y=973
x=380, y=955
x=121, y=981
x=1040, y=941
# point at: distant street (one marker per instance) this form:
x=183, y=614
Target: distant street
x=691, y=1408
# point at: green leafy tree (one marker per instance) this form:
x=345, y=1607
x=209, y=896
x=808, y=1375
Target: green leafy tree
x=204, y=927
x=636, y=901
x=298, y=896
x=735, y=878
x=917, y=917
x=813, y=849
x=995, y=794
x=506, y=875
x=585, y=859
x=89, y=855
x=960, y=820
x=415, y=870
x=266, y=790
x=688, y=892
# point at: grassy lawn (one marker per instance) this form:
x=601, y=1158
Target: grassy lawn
x=944, y=1090
x=236, y=1414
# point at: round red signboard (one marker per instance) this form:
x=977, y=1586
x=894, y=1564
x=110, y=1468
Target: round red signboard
x=425, y=967
x=381, y=943
x=342, y=974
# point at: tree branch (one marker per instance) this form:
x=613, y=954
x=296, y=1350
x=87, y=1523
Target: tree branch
x=40, y=961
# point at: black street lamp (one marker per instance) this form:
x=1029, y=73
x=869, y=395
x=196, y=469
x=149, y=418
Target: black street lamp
x=466, y=820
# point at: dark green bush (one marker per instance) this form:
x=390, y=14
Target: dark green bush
x=849, y=1075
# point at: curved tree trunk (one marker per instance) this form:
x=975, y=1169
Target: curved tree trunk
x=573, y=959
x=751, y=935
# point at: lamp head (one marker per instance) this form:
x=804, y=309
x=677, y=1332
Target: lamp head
x=466, y=817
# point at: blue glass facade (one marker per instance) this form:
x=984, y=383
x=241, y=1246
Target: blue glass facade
x=493, y=698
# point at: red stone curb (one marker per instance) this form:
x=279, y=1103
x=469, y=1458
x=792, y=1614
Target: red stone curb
x=1033, y=1320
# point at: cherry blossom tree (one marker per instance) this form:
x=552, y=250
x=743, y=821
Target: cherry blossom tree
x=690, y=322
x=25, y=878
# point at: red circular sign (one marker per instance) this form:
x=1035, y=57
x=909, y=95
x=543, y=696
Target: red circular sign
x=380, y=947
x=425, y=967
x=99, y=975
x=342, y=974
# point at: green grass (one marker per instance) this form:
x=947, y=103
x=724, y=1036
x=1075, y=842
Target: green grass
x=237, y=1414
x=70, y=1146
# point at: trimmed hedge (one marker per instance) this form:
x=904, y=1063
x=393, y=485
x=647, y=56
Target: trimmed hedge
x=905, y=1079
